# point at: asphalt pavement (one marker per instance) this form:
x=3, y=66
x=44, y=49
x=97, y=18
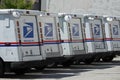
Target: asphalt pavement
x=94, y=71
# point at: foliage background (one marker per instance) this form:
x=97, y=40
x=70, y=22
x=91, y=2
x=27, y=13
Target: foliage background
x=16, y=4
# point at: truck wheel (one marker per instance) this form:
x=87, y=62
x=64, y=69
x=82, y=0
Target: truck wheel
x=77, y=62
x=89, y=61
x=67, y=63
x=97, y=59
x=1, y=68
x=53, y=65
x=40, y=67
x=107, y=59
x=20, y=71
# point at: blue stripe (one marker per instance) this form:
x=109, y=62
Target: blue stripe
x=51, y=43
x=99, y=40
x=24, y=45
x=62, y=42
x=72, y=42
x=16, y=45
x=112, y=40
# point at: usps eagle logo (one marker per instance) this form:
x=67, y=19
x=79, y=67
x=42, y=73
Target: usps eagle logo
x=115, y=29
x=28, y=31
x=48, y=29
x=97, y=29
x=75, y=29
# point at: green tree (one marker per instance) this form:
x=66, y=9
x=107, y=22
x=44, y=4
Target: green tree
x=16, y=4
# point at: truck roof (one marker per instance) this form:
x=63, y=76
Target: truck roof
x=21, y=11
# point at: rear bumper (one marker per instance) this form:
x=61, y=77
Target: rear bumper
x=83, y=57
x=54, y=60
x=104, y=54
x=27, y=64
x=116, y=53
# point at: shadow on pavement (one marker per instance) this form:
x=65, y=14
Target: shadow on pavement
x=60, y=72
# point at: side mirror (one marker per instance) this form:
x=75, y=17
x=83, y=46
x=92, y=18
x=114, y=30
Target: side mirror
x=109, y=19
x=67, y=18
x=16, y=14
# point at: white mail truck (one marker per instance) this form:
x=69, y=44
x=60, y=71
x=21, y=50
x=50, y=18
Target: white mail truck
x=112, y=36
x=19, y=43
x=94, y=36
x=50, y=35
x=72, y=40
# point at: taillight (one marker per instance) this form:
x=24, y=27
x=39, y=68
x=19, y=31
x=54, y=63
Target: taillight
x=40, y=24
x=17, y=23
x=19, y=36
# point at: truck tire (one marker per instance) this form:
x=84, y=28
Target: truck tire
x=1, y=68
x=107, y=59
x=97, y=59
x=89, y=61
x=53, y=65
x=20, y=71
x=40, y=67
x=67, y=63
x=77, y=62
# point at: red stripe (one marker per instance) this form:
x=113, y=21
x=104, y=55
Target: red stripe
x=29, y=42
x=19, y=42
x=51, y=40
x=9, y=42
x=115, y=38
x=62, y=40
x=93, y=38
x=112, y=38
x=108, y=38
x=77, y=40
x=66, y=40
x=88, y=39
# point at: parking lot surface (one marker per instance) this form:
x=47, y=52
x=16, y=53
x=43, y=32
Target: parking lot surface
x=95, y=71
